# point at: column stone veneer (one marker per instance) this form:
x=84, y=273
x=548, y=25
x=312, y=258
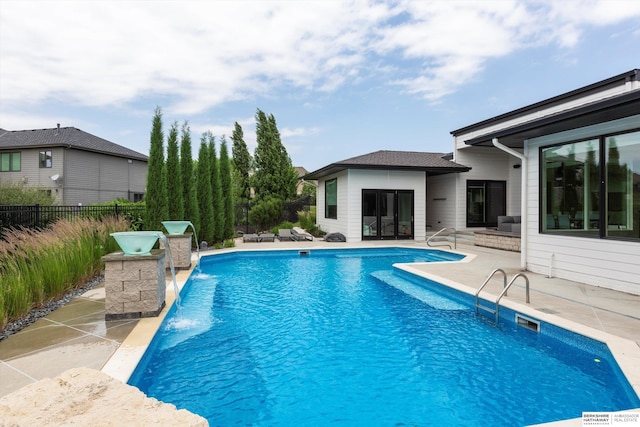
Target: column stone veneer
x=135, y=285
x=180, y=248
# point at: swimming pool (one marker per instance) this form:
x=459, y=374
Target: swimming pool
x=336, y=337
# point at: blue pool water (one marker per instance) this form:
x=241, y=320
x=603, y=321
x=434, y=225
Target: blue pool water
x=337, y=337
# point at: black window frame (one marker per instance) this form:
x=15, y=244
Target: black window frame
x=598, y=223
x=45, y=159
x=330, y=210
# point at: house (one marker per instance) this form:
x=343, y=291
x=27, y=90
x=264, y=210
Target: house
x=568, y=166
x=380, y=195
x=75, y=166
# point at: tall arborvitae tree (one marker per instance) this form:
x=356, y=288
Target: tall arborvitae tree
x=174, y=176
x=205, y=203
x=227, y=191
x=273, y=169
x=241, y=166
x=216, y=192
x=190, y=201
x=156, y=196
x=288, y=174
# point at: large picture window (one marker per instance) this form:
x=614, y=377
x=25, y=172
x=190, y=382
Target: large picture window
x=592, y=188
x=331, y=198
x=10, y=162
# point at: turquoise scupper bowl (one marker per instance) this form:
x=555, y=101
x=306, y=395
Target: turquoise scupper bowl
x=176, y=227
x=136, y=242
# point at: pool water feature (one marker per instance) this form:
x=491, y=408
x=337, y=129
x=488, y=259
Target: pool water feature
x=339, y=338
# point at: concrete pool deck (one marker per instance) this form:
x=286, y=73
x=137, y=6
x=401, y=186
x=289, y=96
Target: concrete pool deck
x=77, y=335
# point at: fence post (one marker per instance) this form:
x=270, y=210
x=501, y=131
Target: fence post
x=116, y=210
x=37, y=219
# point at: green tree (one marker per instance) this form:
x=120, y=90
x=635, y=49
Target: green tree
x=241, y=164
x=216, y=192
x=266, y=214
x=189, y=194
x=174, y=176
x=274, y=175
x=156, y=196
x=205, y=203
x=227, y=193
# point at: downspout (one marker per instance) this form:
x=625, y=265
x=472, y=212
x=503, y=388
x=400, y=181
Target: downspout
x=523, y=200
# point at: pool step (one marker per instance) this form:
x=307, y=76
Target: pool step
x=430, y=298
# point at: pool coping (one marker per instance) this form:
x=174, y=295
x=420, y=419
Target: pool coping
x=626, y=352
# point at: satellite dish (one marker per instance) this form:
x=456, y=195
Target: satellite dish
x=55, y=177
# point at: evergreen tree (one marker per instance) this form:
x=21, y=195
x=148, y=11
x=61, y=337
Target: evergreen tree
x=174, y=176
x=274, y=175
x=216, y=192
x=227, y=193
x=205, y=203
x=156, y=196
x=241, y=166
x=188, y=182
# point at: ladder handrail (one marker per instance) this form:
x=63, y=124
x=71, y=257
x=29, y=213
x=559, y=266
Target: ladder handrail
x=487, y=281
x=455, y=238
x=504, y=291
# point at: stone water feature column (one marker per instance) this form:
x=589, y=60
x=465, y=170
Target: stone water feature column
x=135, y=285
x=180, y=246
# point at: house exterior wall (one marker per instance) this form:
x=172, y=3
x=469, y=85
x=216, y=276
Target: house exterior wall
x=608, y=263
x=85, y=177
x=441, y=202
x=330, y=225
x=94, y=177
x=350, y=186
x=490, y=164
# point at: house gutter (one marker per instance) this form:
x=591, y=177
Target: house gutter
x=523, y=200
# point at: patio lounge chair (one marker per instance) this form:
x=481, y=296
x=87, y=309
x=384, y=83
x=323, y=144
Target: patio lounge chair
x=250, y=238
x=267, y=237
x=300, y=234
x=284, y=234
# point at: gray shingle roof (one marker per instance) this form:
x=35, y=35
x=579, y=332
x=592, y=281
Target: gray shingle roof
x=64, y=137
x=432, y=163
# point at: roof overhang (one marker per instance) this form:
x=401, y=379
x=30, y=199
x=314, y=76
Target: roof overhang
x=336, y=168
x=606, y=110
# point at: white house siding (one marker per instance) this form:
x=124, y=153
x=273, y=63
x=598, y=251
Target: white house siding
x=330, y=225
x=441, y=201
x=487, y=163
x=384, y=180
x=600, y=262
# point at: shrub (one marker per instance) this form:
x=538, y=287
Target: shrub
x=266, y=214
x=40, y=265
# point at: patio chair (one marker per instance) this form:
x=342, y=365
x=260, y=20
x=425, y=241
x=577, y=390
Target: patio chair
x=267, y=237
x=284, y=234
x=301, y=234
x=250, y=238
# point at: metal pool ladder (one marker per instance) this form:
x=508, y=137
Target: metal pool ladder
x=506, y=286
x=455, y=238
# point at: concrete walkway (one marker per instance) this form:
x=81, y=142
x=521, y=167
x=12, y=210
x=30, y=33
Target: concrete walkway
x=78, y=336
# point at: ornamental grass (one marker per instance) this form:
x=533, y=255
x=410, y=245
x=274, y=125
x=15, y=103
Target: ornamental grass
x=37, y=266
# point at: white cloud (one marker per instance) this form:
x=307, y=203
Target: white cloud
x=201, y=54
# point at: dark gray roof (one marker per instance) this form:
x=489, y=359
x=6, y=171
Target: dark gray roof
x=432, y=163
x=64, y=137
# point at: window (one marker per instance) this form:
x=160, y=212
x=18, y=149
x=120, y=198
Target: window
x=331, y=198
x=486, y=200
x=592, y=188
x=45, y=159
x=10, y=162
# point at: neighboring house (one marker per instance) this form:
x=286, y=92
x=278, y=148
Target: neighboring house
x=302, y=172
x=569, y=166
x=381, y=195
x=75, y=166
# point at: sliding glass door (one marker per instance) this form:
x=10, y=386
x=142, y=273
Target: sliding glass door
x=387, y=214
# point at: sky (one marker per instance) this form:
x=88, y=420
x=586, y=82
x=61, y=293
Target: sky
x=342, y=78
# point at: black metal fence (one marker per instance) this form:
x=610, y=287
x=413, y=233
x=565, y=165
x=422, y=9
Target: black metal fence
x=37, y=216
